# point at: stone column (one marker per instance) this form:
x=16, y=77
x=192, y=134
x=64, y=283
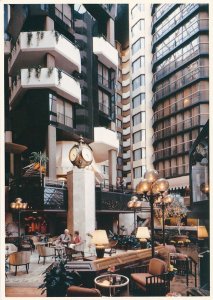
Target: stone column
x=112, y=167
x=111, y=31
x=51, y=151
x=81, y=202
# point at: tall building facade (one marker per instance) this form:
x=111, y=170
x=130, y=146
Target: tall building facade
x=60, y=75
x=180, y=65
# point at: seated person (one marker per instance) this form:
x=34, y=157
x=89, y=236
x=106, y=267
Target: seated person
x=64, y=238
x=76, y=240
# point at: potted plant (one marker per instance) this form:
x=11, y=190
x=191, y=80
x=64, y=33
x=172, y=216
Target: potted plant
x=57, y=279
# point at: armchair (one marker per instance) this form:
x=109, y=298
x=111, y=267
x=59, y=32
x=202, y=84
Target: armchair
x=155, y=282
x=44, y=252
x=73, y=254
x=20, y=259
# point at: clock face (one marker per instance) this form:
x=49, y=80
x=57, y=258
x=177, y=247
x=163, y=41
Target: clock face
x=73, y=154
x=87, y=154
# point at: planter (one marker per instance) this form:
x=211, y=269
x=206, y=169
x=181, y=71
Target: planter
x=56, y=292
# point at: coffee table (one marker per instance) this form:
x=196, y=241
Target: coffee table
x=111, y=283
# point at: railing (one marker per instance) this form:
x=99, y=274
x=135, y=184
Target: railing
x=65, y=120
x=62, y=17
x=189, y=77
x=186, y=11
x=174, y=171
x=104, y=108
x=173, y=129
x=179, y=61
x=197, y=97
x=161, y=12
x=198, y=25
x=174, y=150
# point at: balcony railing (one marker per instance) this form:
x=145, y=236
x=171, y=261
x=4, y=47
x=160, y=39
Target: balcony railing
x=161, y=12
x=188, y=78
x=197, y=97
x=170, y=151
x=174, y=171
x=104, y=108
x=187, y=10
x=104, y=81
x=197, y=50
x=184, y=35
x=64, y=18
x=174, y=129
x=65, y=120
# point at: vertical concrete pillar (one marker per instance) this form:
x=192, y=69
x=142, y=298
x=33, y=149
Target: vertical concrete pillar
x=112, y=167
x=81, y=202
x=51, y=151
x=111, y=31
x=49, y=24
x=50, y=61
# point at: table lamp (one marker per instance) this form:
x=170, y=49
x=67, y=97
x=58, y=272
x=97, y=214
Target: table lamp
x=100, y=239
x=143, y=234
x=202, y=232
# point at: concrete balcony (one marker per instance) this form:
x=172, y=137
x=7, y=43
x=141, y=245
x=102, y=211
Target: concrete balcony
x=126, y=143
x=126, y=95
x=60, y=82
x=31, y=48
x=126, y=119
x=126, y=155
x=126, y=107
x=106, y=53
x=104, y=141
x=127, y=167
x=126, y=131
x=7, y=47
x=126, y=82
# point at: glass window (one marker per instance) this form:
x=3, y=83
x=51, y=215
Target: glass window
x=138, y=27
x=139, y=154
x=138, y=100
x=119, y=111
x=103, y=75
x=120, y=161
x=104, y=103
x=119, y=123
x=64, y=113
x=119, y=135
x=138, y=63
x=138, y=81
x=137, y=8
x=139, y=136
x=138, y=118
x=119, y=98
x=139, y=44
x=64, y=12
x=139, y=171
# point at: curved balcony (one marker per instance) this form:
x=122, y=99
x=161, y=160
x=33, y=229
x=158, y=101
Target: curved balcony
x=172, y=87
x=185, y=35
x=126, y=131
x=50, y=78
x=174, y=129
x=127, y=167
x=126, y=95
x=178, y=149
x=126, y=143
x=106, y=53
x=31, y=47
x=126, y=155
x=201, y=49
x=171, y=24
x=104, y=141
x=195, y=98
x=126, y=119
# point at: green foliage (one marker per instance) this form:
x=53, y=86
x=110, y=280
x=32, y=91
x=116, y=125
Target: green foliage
x=57, y=279
x=127, y=241
x=38, y=157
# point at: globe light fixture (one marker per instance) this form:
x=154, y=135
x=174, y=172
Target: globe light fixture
x=18, y=205
x=151, y=187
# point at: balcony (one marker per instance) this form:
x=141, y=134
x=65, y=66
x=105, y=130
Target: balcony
x=127, y=167
x=176, y=128
x=106, y=53
x=201, y=49
x=31, y=47
x=126, y=155
x=104, y=108
x=104, y=141
x=184, y=35
x=174, y=171
x=126, y=143
x=126, y=131
x=180, y=83
x=161, y=12
x=7, y=47
x=172, y=151
x=195, y=98
x=41, y=78
x=171, y=24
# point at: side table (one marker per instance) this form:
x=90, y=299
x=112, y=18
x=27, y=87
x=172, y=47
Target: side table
x=110, y=282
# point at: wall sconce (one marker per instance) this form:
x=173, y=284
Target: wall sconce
x=100, y=239
x=143, y=234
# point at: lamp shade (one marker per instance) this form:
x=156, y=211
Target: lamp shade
x=143, y=186
x=99, y=238
x=143, y=233
x=202, y=232
x=151, y=175
x=168, y=199
x=162, y=185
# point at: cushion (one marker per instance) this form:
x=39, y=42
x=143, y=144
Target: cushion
x=78, y=291
x=140, y=279
x=157, y=266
